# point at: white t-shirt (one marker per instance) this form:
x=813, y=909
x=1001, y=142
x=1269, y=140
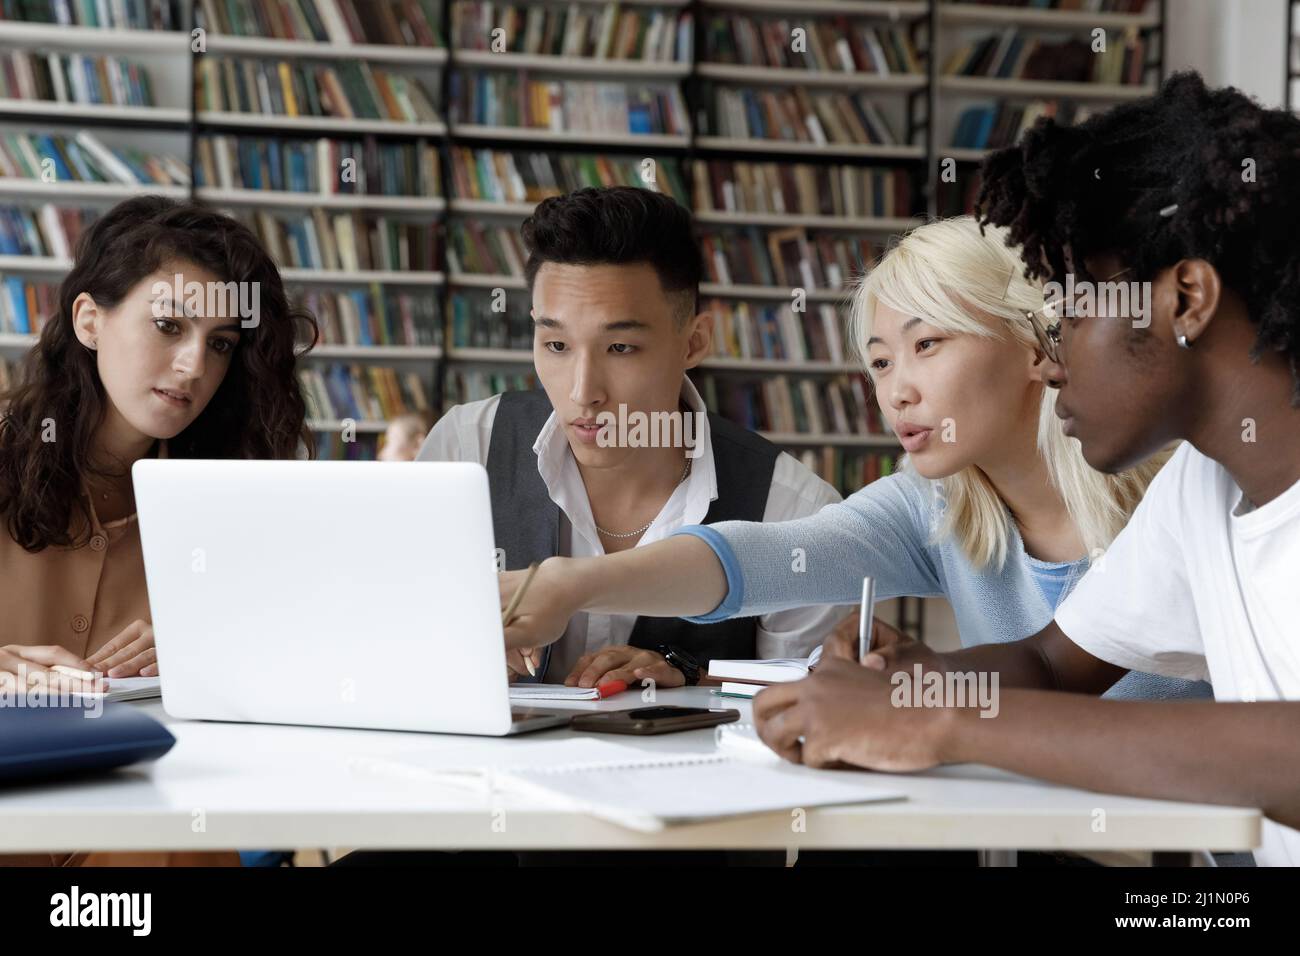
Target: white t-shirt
x=1203, y=586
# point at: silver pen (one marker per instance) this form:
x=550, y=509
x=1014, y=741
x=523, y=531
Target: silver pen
x=865, y=615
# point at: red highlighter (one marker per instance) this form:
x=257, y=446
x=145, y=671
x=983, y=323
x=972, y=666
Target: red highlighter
x=610, y=688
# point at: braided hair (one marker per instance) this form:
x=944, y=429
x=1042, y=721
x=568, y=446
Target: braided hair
x=1189, y=173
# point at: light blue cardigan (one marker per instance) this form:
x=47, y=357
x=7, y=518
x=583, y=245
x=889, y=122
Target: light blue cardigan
x=884, y=531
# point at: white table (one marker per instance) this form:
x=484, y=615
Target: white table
x=243, y=786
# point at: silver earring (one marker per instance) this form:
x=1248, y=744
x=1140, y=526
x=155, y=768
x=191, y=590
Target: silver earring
x=1183, y=341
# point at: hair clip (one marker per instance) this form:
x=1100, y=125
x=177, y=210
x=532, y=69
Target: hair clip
x=1169, y=210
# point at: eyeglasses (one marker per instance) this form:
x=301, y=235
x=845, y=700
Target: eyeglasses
x=1049, y=335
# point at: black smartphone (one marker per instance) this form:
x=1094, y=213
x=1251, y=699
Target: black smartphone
x=652, y=720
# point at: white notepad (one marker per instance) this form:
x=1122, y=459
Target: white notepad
x=552, y=692
x=742, y=740
x=776, y=671
x=649, y=790
x=130, y=688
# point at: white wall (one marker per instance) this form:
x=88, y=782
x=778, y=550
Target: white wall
x=1232, y=43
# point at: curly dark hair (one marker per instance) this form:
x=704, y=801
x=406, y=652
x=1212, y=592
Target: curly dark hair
x=257, y=412
x=1158, y=180
x=618, y=225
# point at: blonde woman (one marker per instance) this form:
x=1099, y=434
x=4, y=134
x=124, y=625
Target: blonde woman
x=994, y=509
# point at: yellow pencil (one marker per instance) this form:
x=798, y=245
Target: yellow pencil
x=509, y=613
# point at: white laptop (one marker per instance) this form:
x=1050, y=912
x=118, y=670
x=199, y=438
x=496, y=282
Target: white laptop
x=343, y=594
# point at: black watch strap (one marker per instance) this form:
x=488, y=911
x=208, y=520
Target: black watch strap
x=684, y=662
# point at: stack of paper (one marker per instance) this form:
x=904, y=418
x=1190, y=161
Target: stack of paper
x=648, y=790
x=747, y=678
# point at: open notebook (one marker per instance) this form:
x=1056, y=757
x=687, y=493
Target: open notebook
x=649, y=790
x=131, y=688
x=776, y=670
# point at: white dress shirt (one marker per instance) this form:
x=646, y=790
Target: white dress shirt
x=464, y=433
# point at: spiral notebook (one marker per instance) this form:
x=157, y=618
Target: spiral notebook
x=650, y=790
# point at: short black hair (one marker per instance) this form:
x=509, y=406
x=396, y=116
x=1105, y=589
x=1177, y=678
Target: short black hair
x=618, y=225
x=1162, y=179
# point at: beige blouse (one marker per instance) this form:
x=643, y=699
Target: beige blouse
x=79, y=598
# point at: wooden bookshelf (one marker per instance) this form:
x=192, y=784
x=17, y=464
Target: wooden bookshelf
x=872, y=224
x=863, y=151
x=279, y=199
x=386, y=353
x=713, y=363
x=1042, y=89
x=222, y=44
x=963, y=13
x=570, y=65
x=764, y=75
x=315, y=125
x=878, y=8
x=921, y=144
x=951, y=93
x=12, y=187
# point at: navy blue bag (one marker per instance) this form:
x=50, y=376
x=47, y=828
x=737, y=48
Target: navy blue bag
x=41, y=742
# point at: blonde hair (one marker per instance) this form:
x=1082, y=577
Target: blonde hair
x=948, y=273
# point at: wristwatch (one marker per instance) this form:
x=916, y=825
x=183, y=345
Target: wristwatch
x=684, y=662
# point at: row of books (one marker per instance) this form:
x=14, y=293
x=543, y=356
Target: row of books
x=517, y=100
x=796, y=115
x=85, y=158
x=1011, y=55
x=345, y=89
x=347, y=241
x=338, y=390
x=803, y=406
x=74, y=78
x=400, y=22
x=834, y=45
x=25, y=305
x=474, y=324
x=120, y=14
x=608, y=32
x=848, y=469
x=373, y=316
x=335, y=446
x=335, y=167
x=740, y=329
x=1002, y=123
x=724, y=185
x=787, y=258
x=480, y=248
x=776, y=332
x=48, y=230
x=1088, y=6
x=472, y=384
x=519, y=176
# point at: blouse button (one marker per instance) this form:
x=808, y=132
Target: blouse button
x=98, y=542
x=80, y=623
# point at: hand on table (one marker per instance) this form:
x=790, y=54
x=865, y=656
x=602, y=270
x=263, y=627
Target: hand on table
x=628, y=664
x=845, y=715
x=130, y=654
x=34, y=667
